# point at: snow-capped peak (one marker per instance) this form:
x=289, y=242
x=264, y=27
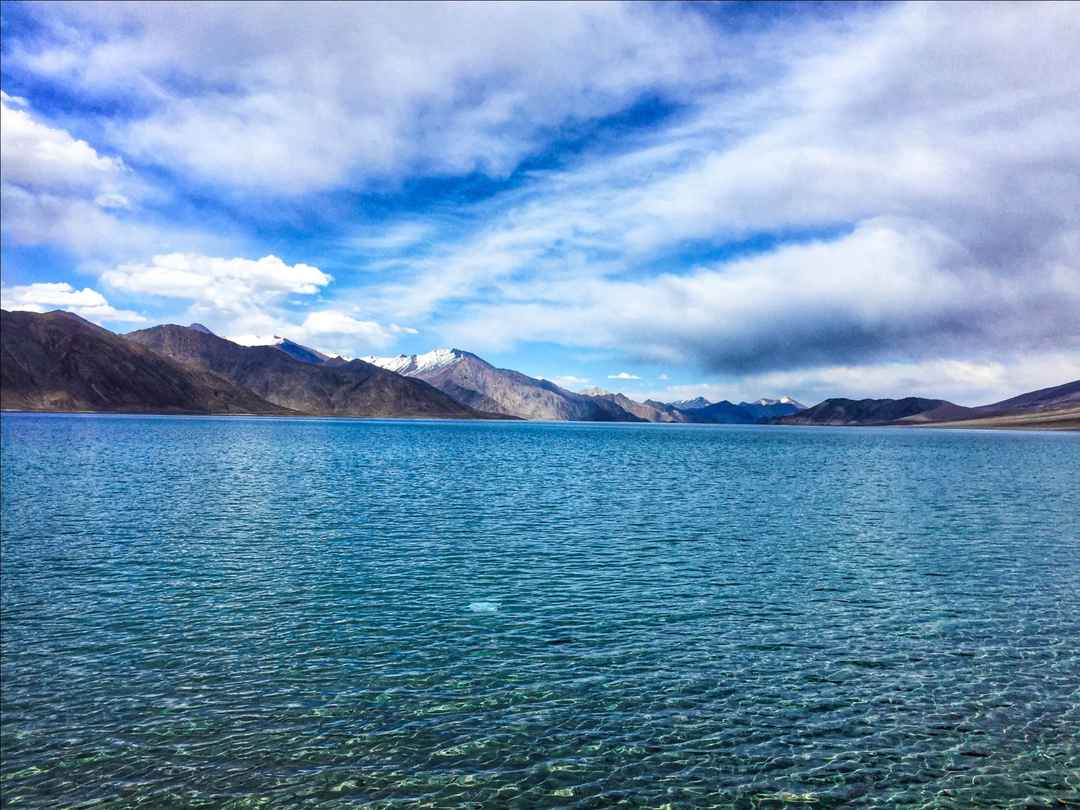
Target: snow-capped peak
x=692, y=404
x=257, y=340
x=785, y=400
x=413, y=364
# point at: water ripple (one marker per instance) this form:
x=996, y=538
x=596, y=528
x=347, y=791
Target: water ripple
x=332, y=613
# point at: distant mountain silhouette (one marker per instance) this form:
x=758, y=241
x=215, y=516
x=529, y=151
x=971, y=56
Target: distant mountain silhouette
x=841, y=411
x=721, y=413
x=1056, y=407
x=764, y=409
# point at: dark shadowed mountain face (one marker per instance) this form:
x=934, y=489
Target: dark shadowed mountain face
x=60, y=362
x=349, y=389
x=478, y=384
x=764, y=409
x=721, y=413
x=302, y=353
x=692, y=404
x=839, y=411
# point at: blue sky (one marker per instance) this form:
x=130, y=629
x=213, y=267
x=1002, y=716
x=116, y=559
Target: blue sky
x=735, y=200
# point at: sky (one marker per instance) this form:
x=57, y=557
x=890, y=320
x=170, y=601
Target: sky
x=672, y=200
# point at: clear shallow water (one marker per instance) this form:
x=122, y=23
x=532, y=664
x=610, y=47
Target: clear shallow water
x=288, y=613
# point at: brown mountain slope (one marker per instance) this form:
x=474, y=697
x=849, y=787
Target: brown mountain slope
x=1048, y=408
x=1059, y=419
x=59, y=362
x=1057, y=398
x=348, y=389
x=1055, y=408
x=648, y=411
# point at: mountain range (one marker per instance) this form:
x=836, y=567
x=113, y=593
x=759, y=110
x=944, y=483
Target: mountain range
x=1055, y=407
x=58, y=361
x=478, y=384
x=276, y=374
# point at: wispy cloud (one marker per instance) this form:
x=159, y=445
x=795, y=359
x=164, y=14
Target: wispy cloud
x=369, y=90
x=567, y=380
x=387, y=239
x=940, y=234
x=58, y=190
x=55, y=187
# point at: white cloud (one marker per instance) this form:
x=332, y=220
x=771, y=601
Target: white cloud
x=949, y=201
x=332, y=322
x=889, y=290
x=623, y=375
x=368, y=90
x=59, y=190
x=245, y=298
x=53, y=186
x=250, y=299
x=330, y=331
x=228, y=285
x=13, y=101
x=567, y=380
x=45, y=296
x=40, y=157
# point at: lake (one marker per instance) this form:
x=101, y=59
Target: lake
x=233, y=612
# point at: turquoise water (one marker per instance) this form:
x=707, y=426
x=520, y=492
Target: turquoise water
x=204, y=612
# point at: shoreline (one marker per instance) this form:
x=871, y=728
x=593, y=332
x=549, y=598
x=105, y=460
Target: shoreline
x=1071, y=422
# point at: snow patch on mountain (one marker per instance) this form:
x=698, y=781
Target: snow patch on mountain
x=413, y=364
x=297, y=351
x=257, y=340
